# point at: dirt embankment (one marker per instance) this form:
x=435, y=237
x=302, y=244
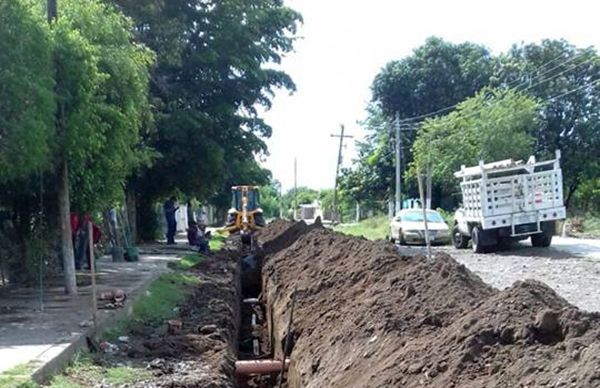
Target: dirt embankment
x=367, y=317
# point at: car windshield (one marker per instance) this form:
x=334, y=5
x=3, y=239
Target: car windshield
x=417, y=216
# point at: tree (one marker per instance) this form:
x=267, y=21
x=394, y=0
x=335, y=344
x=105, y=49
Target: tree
x=571, y=110
x=210, y=76
x=270, y=199
x=437, y=75
x=434, y=78
x=496, y=124
x=26, y=92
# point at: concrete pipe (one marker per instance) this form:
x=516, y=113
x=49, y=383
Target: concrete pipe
x=259, y=367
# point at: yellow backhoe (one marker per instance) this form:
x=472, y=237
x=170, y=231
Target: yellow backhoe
x=245, y=216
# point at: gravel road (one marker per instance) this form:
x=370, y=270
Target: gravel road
x=570, y=266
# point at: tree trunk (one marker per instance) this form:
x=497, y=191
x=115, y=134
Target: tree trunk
x=190, y=213
x=64, y=210
x=570, y=192
x=130, y=205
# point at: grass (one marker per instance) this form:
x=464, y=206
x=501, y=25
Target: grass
x=187, y=262
x=163, y=295
x=375, y=228
x=216, y=242
x=18, y=377
x=152, y=309
x=591, y=226
x=83, y=372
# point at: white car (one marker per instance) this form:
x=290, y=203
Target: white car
x=408, y=227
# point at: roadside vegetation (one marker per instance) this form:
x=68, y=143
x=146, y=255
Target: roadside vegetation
x=375, y=228
x=159, y=304
x=18, y=377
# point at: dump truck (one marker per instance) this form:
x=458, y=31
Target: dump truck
x=508, y=201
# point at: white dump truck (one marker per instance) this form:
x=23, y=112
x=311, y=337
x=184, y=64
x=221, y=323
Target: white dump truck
x=508, y=200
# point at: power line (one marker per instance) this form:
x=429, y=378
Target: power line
x=434, y=113
x=573, y=90
x=550, y=70
x=559, y=74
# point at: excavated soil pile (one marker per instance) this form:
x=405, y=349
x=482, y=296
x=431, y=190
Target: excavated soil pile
x=367, y=317
x=203, y=352
x=280, y=234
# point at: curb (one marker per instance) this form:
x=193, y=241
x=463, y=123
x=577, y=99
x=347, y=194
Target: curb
x=58, y=363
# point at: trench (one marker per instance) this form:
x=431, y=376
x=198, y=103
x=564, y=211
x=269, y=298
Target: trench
x=256, y=337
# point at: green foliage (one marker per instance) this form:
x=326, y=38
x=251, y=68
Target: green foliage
x=375, y=228
x=216, y=242
x=209, y=79
x=300, y=196
x=493, y=125
x=85, y=372
x=18, y=377
x=587, y=197
x=270, y=200
x=437, y=75
x=570, y=123
x=26, y=93
x=157, y=305
x=102, y=85
x=187, y=262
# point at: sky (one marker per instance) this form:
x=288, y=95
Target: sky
x=344, y=43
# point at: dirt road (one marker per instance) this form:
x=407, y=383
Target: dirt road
x=571, y=267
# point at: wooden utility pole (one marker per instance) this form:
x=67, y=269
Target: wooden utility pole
x=295, y=188
x=335, y=209
x=52, y=10
x=422, y=195
x=64, y=203
x=90, y=233
x=398, y=202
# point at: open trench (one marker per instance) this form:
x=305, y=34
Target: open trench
x=259, y=358
x=366, y=316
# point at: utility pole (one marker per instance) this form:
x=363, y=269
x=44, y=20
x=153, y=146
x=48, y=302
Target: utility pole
x=398, y=204
x=335, y=211
x=295, y=188
x=52, y=10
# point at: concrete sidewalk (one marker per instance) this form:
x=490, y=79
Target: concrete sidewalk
x=46, y=339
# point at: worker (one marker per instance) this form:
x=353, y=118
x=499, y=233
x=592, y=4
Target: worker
x=170, y=208
x=198, y=237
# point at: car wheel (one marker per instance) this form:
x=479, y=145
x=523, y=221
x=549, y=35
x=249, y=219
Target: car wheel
x=391, y=237
x=459, y=240
x=401, y=238
x=476, y=240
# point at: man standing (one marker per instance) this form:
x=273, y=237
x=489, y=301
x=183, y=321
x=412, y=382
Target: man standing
x=171, y=207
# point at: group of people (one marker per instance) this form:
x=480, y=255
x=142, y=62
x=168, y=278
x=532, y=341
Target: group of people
x=197, y=235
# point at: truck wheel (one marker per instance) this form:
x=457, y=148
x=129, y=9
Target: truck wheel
x=459, y=240
x=392, y=240
x=541, y=240
x=476, y=240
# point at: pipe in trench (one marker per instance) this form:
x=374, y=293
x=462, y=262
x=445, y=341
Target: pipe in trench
x=258, y=367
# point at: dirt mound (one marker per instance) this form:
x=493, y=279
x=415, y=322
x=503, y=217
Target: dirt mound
x=280, y=234
x=368, y=317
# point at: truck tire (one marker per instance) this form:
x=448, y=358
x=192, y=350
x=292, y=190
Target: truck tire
x=459, y=240
x=541, y=240
x=476, y=240
x=392, y=240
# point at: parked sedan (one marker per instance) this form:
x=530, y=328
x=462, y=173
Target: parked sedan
x=408, y=227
